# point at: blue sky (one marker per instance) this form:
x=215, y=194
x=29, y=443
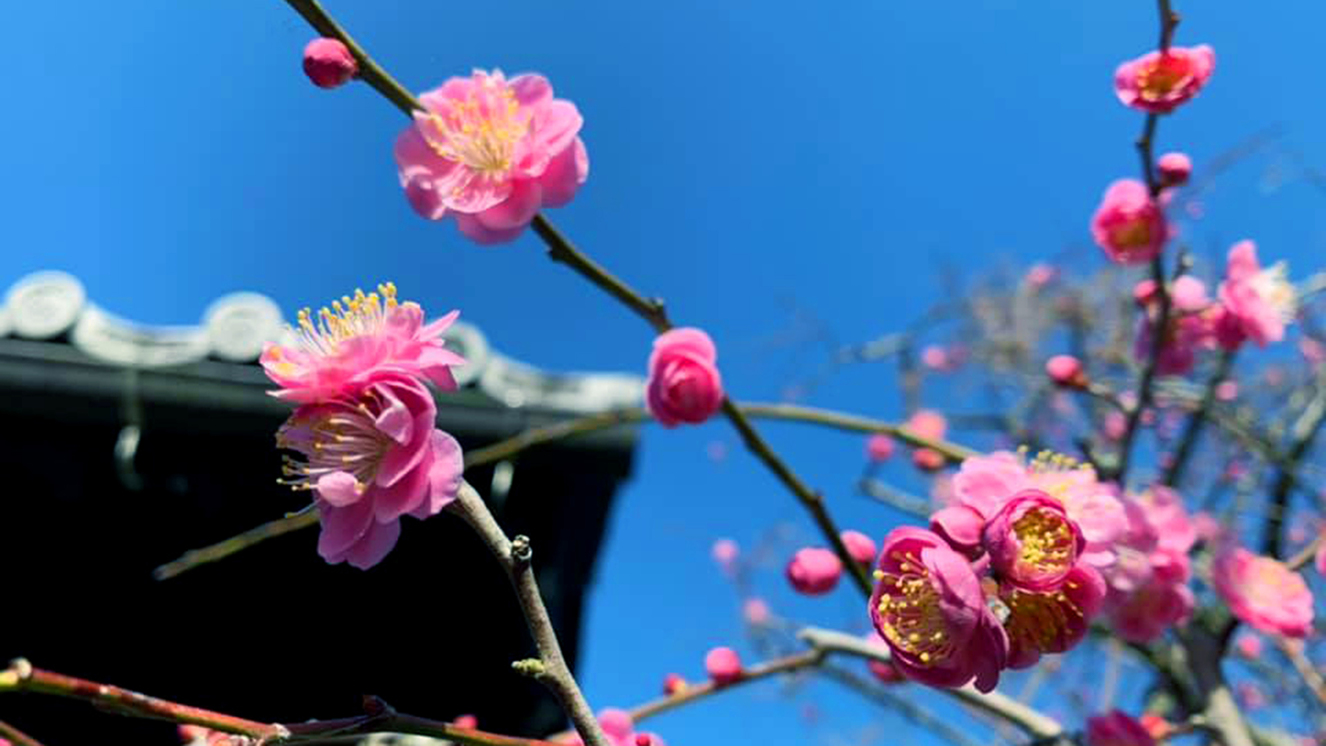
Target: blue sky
x=747, y=158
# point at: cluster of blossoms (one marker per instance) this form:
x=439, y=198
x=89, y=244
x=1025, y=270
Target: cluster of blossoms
x=1006, y=573
x=365, y=430
x=619, y=727
x=1148, y=581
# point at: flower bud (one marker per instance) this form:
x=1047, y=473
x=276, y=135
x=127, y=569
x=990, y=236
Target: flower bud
x=1175, y=168
x=814, y=571
x=328, y=63
x=861, y=547
x=723, y=666
x=1066, y=371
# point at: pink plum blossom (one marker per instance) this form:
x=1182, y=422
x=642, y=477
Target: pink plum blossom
x=1174, y=168
x=986, y=483
x=1148, y=583
x=1129, y=225
x=684, y=384
x=930, y=425
x=491, y=152
x=328, y=63
x=935, y=357
x=1158, y=82
x=879, y=447
x=1258, y=302
x=338, y=349
x=1227, y=390
x=1248, y=645
x=1051, y=621
x=929, y=607
x=370, y=459
x=1031, y=542
x=723, y=666
x=1067, y=371
x=756, y=611
x=619, y=727
x=861, y=547
x=1114, y=425
x=1263, y=592
x=1117, y=728
x=814, y=571
x=1190, y=325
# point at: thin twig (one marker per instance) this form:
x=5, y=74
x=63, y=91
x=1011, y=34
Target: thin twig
x=369, y=71
x=1193, y=429
x=696, y=692
x=515, y=557
x=16, y=736
x=1304, y=433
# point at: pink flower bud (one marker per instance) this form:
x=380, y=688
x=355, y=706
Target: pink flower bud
x=1117, y=729
x=1067, y=371
x=1248, y=645
x=1041, y=274
x=1114, y=425
x=673, y=683
x=814, y=571
x=1227, y=390
x=861, y=547
x=723, y=666
x=927, y=459
x=466, y=721
x=934, y=357
x=725, y=553
x=328, y=63
x=1175, y=168
x=879, y=447
x=684, y=384
x=756, y=611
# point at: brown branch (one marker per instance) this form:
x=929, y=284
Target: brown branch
x=16, y=736
x=1305, y=432
x=558, y=431
x=696, y=692
x=369, y=71
x=515, y=556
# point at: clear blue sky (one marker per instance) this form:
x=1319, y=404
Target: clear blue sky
x=744, y=155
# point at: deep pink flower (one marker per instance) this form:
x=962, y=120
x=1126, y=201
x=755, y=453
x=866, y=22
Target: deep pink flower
x=1129, y=225
x=684, y=384
x=1051, y=621
x=861, y=547
x=1032, y=543
x=1148, y=591
x=1159, y=82
x=328, y=63
x=491, y=152
x=1174, y=168
x=986, y=483
x=339, y=348
x=466, y=721
x=1263, y=592
x=1258, y=302
x=1067, y=371
x=814, y=571
x=879, y=447
x=1117, y=729
x=960, y=526
x=619, y=727
x=723, y=666
x=929, y=607
x=370, y=459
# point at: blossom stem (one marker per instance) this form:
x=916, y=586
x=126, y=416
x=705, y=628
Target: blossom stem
x=16, y=736
x=561, y=249
x=695, y=692
x=1145, y=385
x=562, y=430
x=1193, y=429
x=515, y=557
x=369, y=70
x=1031, y=721
x=1304, y=434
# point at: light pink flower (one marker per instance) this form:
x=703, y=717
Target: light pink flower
x=814, y=571
x=723, y=666
x=491, y=152
x=879, y=447
x=986, y=483
x=1159, y=82
x=619, y=727
x=931, y=425
x=861, y=547
x=1041, y=274
x=1258, y=302
x=370, y=459
x=1117, y=729
x=756, y=611
x=1148, y=590
x=1262, y=592
x=1067, y=371
x=1129, y=225
x=1032, y=543
x=935, y=358
x=1051, y=621
x=1174, y=168
x=684, y=384
x=1191, y=324
x=1248, y=645
x=1227, y=390
x=929, y=607
x=328, y=63
x=725, y=553
x=341, y=347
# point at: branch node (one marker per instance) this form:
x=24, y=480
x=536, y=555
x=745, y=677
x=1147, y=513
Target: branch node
x=531, y=667
x=521, y=549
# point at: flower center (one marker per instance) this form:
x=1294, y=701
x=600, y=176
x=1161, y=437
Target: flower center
x=909, y=612
x=1163, y=76
x=481, y=131
x=340, y=437
x=1134, y=234
x=1047, y=542
x=348, y=317
x=1273, y=286
x=1039, y=620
